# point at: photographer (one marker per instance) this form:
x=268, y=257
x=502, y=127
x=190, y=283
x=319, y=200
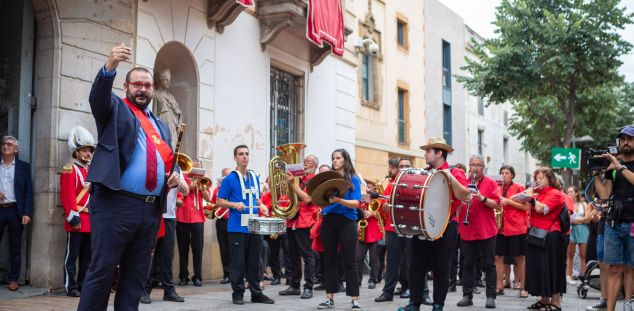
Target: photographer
x=618, y=181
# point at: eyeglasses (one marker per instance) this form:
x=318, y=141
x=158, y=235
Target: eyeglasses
x=140, y=85
x=7, y=144
x=476, y=165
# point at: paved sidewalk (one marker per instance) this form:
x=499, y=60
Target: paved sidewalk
x=213, y=296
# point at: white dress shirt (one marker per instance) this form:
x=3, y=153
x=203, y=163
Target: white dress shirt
x=7, y=177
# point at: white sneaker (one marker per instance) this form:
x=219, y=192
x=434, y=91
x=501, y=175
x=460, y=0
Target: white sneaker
x=570, y=281
x=627, y=305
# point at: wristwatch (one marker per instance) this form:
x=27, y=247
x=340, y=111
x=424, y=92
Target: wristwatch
x=623, y=167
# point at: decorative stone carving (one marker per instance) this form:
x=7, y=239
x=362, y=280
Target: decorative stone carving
x=166, y=106
x=221, y=13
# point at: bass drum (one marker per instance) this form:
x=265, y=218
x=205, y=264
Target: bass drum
x=420, y=203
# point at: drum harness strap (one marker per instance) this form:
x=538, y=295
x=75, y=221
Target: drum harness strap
x=252, y=191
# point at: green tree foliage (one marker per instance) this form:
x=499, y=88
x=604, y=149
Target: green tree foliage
x=556, y=62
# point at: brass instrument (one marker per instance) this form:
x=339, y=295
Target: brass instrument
x=362, y=227
x=499, y=220
x=204, y=183
x=375, y=207
x=278, y=182
x=184, y=162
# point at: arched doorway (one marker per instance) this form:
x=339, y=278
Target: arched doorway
x=184, y=87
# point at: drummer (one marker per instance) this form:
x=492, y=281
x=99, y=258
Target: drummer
x=437, y=252
x=240, y=193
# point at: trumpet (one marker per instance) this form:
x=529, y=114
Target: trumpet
x=204, y=183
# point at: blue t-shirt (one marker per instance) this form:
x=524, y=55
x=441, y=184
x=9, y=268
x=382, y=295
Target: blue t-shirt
x=353, y=193
x=231, y=191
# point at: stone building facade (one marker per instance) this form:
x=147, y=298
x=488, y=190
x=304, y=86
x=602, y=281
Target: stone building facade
x=241, y=76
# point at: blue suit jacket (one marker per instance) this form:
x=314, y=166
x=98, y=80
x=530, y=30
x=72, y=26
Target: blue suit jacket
x=23, y=188
x=117, y=129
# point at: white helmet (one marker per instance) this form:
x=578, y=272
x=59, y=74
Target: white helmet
x=80, y=137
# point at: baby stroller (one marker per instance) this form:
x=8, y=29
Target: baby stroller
x=590, y=279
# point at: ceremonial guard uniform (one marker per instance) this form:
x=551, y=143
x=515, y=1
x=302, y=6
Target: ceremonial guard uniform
x=74, y=195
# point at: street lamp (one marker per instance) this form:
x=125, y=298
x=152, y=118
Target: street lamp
x=582, y=139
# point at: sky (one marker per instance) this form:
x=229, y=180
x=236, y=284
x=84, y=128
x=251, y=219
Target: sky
x=479, y=14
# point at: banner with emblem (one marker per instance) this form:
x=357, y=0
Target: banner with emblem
x=325, y=23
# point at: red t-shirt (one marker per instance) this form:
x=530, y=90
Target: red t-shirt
x=386, y=214
x=192, y=209
x=515, y=220
x=482, y=224
x=373, y=231
x=306, y=217
x=220, y=211
x=555, y=200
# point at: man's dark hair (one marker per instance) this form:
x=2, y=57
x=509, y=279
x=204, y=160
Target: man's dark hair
x=508, y=168
x=444, y=152
x=404, y=159
x=394, y=161
x=235, y=150
x=127, y=76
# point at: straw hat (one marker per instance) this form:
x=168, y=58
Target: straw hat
x=438, y=143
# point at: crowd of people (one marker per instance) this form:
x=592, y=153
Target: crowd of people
x=127, y=206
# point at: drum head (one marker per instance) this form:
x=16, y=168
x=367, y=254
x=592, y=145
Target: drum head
x=436, y=205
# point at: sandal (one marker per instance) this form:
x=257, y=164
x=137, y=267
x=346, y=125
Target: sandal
x=536, y=306
x=516, y=285
x=499, y=291
x=523, y=293
x=551, y=307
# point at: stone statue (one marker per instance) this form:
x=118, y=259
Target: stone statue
x=165, y=105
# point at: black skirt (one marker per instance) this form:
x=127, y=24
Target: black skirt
x=546, y=267
x=510, y=246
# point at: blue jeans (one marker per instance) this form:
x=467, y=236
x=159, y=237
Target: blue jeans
x=618, y=245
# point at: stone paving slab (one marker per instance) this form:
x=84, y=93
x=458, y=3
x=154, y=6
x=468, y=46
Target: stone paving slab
x=213, y=296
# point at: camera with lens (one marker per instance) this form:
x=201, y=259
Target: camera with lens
x=600, y=163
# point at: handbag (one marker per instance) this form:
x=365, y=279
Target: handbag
x=537, y=236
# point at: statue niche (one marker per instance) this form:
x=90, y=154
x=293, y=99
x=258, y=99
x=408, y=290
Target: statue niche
x=165, y=105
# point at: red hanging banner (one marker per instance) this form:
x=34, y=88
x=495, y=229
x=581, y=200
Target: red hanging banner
x=245, y=2
x=325, y=23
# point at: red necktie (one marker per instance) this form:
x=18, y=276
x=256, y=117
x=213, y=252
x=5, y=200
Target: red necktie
x=150, y=168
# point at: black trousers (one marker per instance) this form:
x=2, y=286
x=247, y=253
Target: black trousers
x=275, y=245
x=362, y=249
x=162, y=260
x=397, y=263
x=455, y=260
x=10, y=217
x=381, y=251
x=299, y=247
x=190, y=234
x=340, y=231
x=245, y=252
x=77, y=250
x=470, y=249
x=223, y=244
x=123, y=231
x=438, y=254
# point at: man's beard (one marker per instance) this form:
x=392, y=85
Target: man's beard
x=629, y=150
x=132, y=98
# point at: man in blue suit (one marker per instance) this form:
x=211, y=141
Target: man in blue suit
x=129, y=177
x=16, y=202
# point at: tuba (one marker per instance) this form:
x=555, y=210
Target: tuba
x=281, y=191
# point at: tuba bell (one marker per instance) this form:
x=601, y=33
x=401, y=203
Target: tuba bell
x=281, y=191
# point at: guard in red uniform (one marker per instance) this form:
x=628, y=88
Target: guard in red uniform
x=368, y=240
x=298, y=234
x=75, y=194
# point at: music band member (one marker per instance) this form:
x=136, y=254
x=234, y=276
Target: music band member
x=397, y=261
x=190, y=225
x=129, y=182
x=438, y=252
x=298, y=232
x=478, y=233
x=74, y=195
x=368, y=239
x=510, y=242
x=222, y=216
x=339, y=229
x=240, y=192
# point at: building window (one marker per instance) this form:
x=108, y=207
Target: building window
x=480, y=106
x=506, y=118
x=446, y=90
x=505, y=148
x=286, y=115
x=402, y=31
x=446, y=65
x=367, y=77
x=402, y=116
x=480, y=142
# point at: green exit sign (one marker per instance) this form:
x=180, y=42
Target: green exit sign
x=566, y=158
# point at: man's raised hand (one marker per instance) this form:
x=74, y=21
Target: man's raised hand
x=119, y=53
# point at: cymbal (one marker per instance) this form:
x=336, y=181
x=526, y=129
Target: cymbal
x=333, y=187
x=318, y=179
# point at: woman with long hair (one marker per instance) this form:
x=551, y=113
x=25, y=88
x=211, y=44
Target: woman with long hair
x=339, y=230
x=579, y=233
x=545, y=265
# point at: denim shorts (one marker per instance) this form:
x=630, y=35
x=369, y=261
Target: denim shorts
x=618, y=245
x=600, y=247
